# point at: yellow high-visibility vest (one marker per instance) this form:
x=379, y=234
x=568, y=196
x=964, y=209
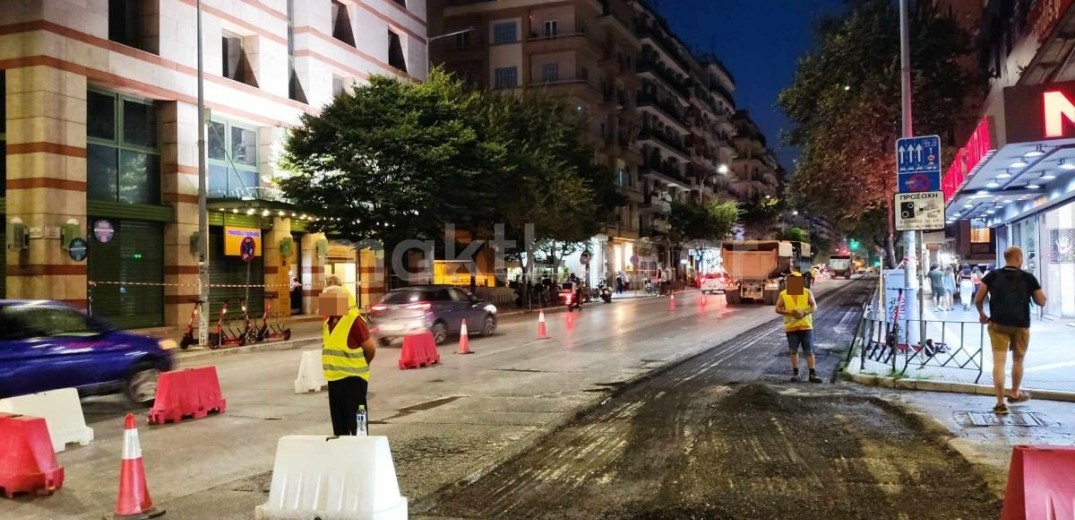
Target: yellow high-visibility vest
x=797, y=303
x=337, y=360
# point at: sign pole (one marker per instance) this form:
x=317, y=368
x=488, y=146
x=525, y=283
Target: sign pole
x=909, y=242
x=203, y=216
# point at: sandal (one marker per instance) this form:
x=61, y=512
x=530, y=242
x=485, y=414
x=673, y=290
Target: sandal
x=1024, y=396
x=1000, y=409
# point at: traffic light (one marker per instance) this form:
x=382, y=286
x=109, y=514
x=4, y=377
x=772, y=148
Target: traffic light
x=854, y=244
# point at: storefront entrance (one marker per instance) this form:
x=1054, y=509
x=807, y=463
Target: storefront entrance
x=1057, y=271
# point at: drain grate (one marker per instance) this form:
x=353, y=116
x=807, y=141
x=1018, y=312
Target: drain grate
x=1027, y=419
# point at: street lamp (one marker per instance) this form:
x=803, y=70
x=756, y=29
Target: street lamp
x=722, y=169
x=429, y=48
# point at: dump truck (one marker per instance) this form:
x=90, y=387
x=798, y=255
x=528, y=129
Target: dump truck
x=841, y=267
x=757, y=267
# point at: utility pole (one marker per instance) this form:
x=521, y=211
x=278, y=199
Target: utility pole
x=203, y=212
x=910, y=244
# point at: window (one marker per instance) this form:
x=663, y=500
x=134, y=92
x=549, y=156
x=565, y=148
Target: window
x=122, y=152
x=337, y=85
x=584, y=74
x=462, y=40
x=233, y=161
x=550, y=28
x=550, y=72
x=341, y=24
x=505, y=32
x=396, y=56
x=506, y=77
x=979, y=232
x=134, y=23
x=35, y=321
x=294, y=86
x=234, y=60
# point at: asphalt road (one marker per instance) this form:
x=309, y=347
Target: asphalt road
x=446, y=424
x=726, y=436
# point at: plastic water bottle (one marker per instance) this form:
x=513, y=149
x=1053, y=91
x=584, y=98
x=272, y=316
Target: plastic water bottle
x=360, y=418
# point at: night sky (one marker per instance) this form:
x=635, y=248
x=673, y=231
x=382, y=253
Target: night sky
x=759, y=41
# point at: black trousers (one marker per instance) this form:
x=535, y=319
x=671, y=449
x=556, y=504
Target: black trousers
x=344, y=398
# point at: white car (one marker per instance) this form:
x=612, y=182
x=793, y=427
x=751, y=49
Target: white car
x=713, y=283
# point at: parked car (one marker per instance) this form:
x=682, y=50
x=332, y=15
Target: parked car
x=47, y=345
x=713, y=282
x=439, y=309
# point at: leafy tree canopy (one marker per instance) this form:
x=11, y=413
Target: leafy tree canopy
x=703, y=223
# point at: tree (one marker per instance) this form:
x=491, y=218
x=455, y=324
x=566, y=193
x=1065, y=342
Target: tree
x=394, y=160
x=844, y=106
x=707, y=223
x=796, y=234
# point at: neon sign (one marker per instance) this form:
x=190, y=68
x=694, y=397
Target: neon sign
x=978, y=147
x=1057, y=108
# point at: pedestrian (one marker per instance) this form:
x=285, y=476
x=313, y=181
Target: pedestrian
x=949, y=287
x=1010, y=291
x=936, y=284
x=966, y=287
x=296, y=296
x=976, y=280
x=346, y=353
x=797, y=305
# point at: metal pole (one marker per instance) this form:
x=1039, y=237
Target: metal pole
x=909, y=243
x=203, y=214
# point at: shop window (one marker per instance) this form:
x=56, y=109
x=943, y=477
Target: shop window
x=505, y=32
x=980, y=233
x=234, y=60
x=396, y=56
x=122, y=152
x=134, y=23
x=233, y=161
x=506, y=77
x=341, y=24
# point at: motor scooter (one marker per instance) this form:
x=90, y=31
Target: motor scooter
x=604, y=291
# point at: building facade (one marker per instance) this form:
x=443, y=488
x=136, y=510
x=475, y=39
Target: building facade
x=1013, y=182
x=99, y=146
x=659, y=116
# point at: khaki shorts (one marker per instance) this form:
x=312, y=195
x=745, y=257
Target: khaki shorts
x=1004, y=337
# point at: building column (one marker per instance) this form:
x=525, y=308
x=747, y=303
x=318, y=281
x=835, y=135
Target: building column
x=277, y=266
x=179, y=189
x=46, y=180
x=313, y=271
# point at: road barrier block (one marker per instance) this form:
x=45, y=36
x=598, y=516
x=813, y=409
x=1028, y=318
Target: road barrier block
x=311, y=376
x=194, y=392
x=27, y=459
x=418, y=350
x=334, y=478
x=62, y=412
x=1041, y=484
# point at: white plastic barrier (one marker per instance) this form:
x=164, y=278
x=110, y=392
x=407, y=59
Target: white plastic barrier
x=311, y=376
x=341, y=478
x=62, y=412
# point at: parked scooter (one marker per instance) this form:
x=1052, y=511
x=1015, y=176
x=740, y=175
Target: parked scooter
x=271, y=331
x=604, y=291
x=188, y=338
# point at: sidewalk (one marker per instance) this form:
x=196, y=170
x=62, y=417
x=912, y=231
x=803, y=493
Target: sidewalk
x=1049, y=365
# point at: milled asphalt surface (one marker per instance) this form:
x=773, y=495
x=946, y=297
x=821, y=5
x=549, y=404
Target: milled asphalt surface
x=725, y=436
x=447, y=423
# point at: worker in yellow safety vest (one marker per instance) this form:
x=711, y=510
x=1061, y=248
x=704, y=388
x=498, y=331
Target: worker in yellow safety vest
x=797, y=305
x=348, y=349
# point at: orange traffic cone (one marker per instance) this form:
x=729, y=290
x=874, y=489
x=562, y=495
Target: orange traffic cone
x=542, y=333
x=133, y=501
x=672, y=302
x=464, y=340
x=703, y=300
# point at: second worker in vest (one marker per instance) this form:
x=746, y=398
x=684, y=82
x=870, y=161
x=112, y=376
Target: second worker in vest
x=796, y=303
x=346, y=354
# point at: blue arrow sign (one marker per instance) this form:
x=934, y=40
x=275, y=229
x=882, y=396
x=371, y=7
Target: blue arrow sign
x=918, y=154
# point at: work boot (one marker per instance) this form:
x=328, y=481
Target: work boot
x=814, y=378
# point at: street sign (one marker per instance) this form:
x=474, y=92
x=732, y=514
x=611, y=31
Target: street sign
x=585, y=257
x=920, y=211
x=77, y=249
x=918, y=154
x=103, y=231
x=247, y=249
x=918, y=164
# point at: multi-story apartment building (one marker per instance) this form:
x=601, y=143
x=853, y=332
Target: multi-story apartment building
x=756, y=171
x=658, y=116
x=99, y=152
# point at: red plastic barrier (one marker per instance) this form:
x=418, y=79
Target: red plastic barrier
x=193, y=392
x=1041, y=484
x=27, y=462
x=418, y=350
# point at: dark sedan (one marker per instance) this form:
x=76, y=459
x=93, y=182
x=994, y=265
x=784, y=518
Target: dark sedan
x=47, y=345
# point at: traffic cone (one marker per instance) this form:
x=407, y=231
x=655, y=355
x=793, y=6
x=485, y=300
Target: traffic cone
x=542, y=333
x=703, y=300
x=133, y=502
x=671, y=302
x=464, y=340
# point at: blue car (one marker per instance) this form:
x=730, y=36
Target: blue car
x=46, y=345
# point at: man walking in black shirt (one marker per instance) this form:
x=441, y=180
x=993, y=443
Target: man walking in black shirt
x=1010, y=290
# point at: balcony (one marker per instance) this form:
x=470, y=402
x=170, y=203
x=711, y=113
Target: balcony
x=577, y=38
x=647, y=66
x=665, y=172
x=654, y=205
x=669, y=110
x=671, y=143
x=575, y=86
x=620, y=22
x=665, y=44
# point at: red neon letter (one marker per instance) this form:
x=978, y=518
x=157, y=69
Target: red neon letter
x=1057, y=105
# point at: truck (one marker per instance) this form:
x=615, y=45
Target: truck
x=756, y=268
x=841, y=266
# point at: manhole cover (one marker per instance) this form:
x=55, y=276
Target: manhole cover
x=1027, y=419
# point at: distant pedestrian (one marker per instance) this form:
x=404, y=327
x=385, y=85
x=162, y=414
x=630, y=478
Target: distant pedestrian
x=949, y=287
x=346, y=353
x=1010, y=292
x=797, y=305
x=936, y=284
x=976, y=280
x=966, y=287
